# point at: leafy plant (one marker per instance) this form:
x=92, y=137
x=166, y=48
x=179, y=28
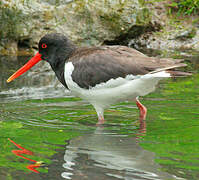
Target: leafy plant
x=186, y=7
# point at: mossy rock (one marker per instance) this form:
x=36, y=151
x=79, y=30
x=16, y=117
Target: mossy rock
x=86, y=22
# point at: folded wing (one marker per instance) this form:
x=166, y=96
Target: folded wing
x=97, y=65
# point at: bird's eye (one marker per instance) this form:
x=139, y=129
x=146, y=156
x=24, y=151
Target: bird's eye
x=44, y=46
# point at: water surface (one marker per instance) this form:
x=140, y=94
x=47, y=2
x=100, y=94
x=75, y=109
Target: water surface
x=40, y=115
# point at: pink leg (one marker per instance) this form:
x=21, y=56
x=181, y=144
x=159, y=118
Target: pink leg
x=100, y=114
x=143, y=112
x=100, y=120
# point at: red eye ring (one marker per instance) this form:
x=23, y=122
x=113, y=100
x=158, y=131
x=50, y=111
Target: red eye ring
x=44, y=46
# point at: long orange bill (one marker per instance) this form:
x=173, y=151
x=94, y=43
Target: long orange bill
x=34, y=60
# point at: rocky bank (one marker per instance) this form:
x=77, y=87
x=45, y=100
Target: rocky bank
x=90, y=22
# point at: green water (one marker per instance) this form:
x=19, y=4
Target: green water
x=61, y=132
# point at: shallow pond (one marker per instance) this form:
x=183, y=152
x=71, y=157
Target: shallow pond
x=60, y=134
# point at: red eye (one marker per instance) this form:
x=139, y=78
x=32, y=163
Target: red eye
x=44, y=46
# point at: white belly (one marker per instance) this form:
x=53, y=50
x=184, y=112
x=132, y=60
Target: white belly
x=114, y=90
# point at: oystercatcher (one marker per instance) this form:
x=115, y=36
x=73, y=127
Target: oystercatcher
x=103, y=75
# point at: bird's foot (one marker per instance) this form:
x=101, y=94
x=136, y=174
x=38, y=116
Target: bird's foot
x=142, y=127
x=100, y=120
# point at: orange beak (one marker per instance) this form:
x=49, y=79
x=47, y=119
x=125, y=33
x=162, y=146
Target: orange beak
x=34, y=60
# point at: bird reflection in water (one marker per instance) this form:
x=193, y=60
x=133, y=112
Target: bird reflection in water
x=31, y=167
x=107, y=154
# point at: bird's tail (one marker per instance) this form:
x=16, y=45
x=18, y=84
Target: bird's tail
x=172, y=70
x=178, y=73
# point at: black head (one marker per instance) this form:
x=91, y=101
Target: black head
x=55, y=47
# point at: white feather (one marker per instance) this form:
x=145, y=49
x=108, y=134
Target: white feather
x=115, y=90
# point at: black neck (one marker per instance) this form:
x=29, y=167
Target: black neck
x=59, y=64
x=59, y=72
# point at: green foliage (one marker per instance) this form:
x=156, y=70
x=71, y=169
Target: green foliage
x=186, y=7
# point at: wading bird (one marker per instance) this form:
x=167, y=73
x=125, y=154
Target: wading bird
x=103, y=75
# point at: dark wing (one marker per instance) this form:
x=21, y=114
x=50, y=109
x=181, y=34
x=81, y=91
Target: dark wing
x=93, y=66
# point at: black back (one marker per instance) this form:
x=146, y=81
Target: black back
x=95, y=65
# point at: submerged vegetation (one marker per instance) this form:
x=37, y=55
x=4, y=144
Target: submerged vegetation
x=173, y=133
x=46, y=126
